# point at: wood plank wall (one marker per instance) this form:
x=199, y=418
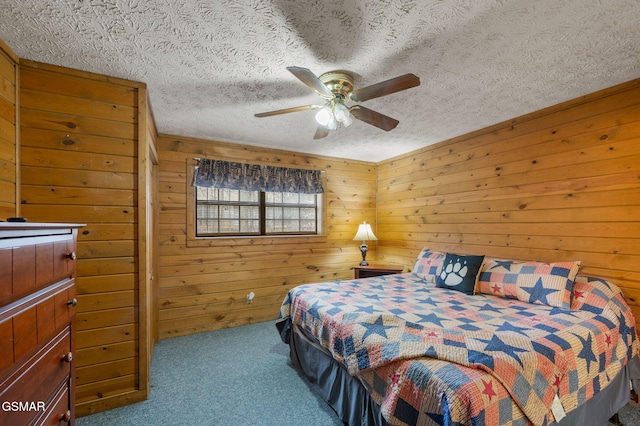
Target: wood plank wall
x=8, y=134
x=562, y=183
x=558, y=184
x=79, y=163
x=203, y=285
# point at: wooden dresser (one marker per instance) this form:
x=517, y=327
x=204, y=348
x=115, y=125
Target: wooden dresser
x=37, y=313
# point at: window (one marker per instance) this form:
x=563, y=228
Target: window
x=240, y=199
x=236, y=212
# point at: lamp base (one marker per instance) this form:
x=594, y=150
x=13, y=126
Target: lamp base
x=363, y=250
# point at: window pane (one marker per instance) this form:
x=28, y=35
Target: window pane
x=273, y=226
x=291, y=213
x=201, y=193
x=250, y=212
x=309, y=199
x=249, y=226
x=201, y=211
x=291, y=226
x=228, y=195
x=309, y=214
x=229, y=212
x=274, y=212
x=273, y=197
x=238, y=212
x=229, y=226
x=249, y=196
x=308, y=226
x=290, y=198
x=207, y=226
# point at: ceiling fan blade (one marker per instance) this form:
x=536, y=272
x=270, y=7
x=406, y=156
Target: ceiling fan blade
x=309, y=78
x=287, y=110
x=374, y=118
x=387, y=87
x=321, y=132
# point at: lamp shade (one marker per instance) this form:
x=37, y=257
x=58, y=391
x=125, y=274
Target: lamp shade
x=365, y=233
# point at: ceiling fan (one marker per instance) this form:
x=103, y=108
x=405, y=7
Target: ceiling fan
x=336, y=87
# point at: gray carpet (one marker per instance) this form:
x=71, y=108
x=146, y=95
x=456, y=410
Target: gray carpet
x=233, y=377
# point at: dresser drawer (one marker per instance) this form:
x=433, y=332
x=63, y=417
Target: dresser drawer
x=28, y=324
x=29, y=264
x=58, y=412
x=28, y=393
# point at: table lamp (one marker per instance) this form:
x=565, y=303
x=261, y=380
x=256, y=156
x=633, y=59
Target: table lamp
x=364, y=234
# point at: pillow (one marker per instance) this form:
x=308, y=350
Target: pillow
x=592, y=294
x=428, y=264
x=535, y=282
x=459, y=272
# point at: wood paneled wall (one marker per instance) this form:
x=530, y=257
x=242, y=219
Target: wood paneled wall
x=9, y=188
x=81, y=154
x=562, y=183
x=203, y=284
x=558, y=184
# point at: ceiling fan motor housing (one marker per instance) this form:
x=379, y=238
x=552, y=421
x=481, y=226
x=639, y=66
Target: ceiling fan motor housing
x=339, y=82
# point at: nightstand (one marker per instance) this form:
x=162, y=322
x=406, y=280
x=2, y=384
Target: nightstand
x=375, y=270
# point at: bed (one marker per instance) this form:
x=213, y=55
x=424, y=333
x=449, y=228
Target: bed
x=466, y=340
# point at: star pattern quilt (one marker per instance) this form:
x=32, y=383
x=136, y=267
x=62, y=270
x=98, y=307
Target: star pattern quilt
x=431, y=355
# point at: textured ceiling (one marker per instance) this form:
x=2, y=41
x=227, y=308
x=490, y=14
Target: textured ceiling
x=211, y=65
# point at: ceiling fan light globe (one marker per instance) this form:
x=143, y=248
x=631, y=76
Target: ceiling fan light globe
x=324, y=116
x=341, y=113
x=332, y=124
x=347, y=122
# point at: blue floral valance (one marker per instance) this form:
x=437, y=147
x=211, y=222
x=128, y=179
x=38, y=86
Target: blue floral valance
x=255, y=177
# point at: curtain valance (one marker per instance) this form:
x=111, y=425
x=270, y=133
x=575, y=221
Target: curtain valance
x=255, y=177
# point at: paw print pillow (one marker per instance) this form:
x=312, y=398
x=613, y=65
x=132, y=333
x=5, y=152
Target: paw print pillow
x=459, y=272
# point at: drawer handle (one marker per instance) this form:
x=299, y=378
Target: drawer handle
x=68, y=357
x=71, y=256
x=73, y=302
x=66, y=416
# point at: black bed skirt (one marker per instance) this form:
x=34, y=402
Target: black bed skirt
x=329, y=379
x=355, y=407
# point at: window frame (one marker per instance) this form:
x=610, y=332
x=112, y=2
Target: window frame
x=262, y=204
x=194, y=241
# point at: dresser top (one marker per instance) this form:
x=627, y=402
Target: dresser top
x=12, y=230
x=14, y=226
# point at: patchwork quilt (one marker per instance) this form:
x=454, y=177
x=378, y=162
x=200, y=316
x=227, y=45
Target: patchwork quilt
x=431, y=355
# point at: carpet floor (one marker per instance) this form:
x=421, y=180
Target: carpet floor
x=234, y=377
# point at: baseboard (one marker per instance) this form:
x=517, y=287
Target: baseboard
x=110, y=402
